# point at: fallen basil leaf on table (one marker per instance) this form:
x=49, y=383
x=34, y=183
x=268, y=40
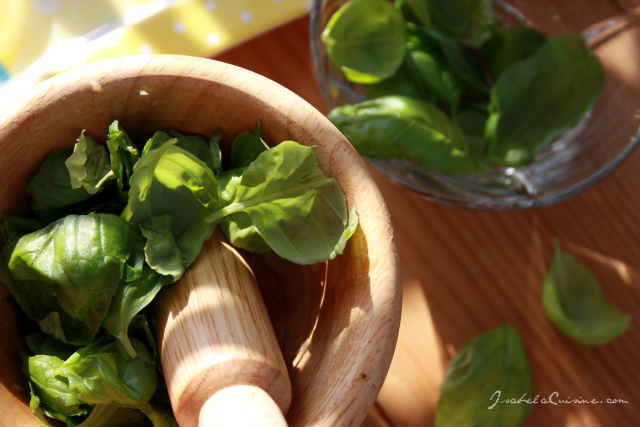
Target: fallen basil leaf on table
x=537, y=99
x=573, y=301
x=410, y=129
x=365, y=40
x=467, y=21
x=490, y=368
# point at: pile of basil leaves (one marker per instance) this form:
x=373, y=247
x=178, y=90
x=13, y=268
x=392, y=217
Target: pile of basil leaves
x=452, y=88
x=112, y=225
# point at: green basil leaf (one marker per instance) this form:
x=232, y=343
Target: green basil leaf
x=170, y=180
x=99, y=374
x=123, y=155
x=472, y=122
x=89, y=166
x=401, y=83
x=298, y=211
x=432, y=71
x=50, y=395
x=161, y=250
x=70, y=298
x=129, y=300
x=415, y=11
x=573, y=301
x=537, y=99
x=50, y=190
x=43, y=344
x=467, y=21
x=401, y=127
x=489, y=369
x=159, y=417
x=246, y=147
x=12, y=227
x=157, y=140
x=509, y=45
x=208, y=151
x=459, y=59
x=239, y=229
x=365, y=40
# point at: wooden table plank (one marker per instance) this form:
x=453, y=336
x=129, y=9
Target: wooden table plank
x=465, y=271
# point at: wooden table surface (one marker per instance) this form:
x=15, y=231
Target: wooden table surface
x=465, y=272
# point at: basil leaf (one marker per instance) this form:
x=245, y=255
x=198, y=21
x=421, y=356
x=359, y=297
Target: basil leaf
x=239, y=229
x=131, y=298
x=246, y=147
x=43, y=344
x=415, y=11
x=50, y=395
x=405, y=128
x=365, y=40
x=509, y=45
x=467, y=21
x=401, y=83
x=123, y=155
x=432, y=71
x=99, y=374
x=573, y=301
x=50, y=190
x=161, y=250
x=12, y=227
x=461, y=60
x=489, y=369
x=69, y=298
x=157, y=140
x=170, y=180
x=298, y=211
x=538, y=98
x=89, y=166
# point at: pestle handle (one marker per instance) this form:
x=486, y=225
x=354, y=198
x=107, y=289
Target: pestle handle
x=214, y=334
x=242, y=405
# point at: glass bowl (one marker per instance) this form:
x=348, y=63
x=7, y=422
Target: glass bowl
x=580, y=158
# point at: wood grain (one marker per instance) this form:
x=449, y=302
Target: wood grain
x=214, y=335
x=465, y=272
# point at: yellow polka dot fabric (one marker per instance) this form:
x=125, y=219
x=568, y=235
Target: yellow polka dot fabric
x=40, y=38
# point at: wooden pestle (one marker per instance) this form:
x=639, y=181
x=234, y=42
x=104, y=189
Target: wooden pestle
x=219, y=352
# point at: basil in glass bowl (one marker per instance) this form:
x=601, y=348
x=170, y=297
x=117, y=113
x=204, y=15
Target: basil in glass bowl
x=466, y=103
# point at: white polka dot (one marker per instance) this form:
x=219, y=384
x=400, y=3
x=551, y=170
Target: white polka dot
x=46, y=7
x=211, y=6
x=179, y=27
x=246, y=16
x=277, y=1
x=146, y=48
x=213, y=39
